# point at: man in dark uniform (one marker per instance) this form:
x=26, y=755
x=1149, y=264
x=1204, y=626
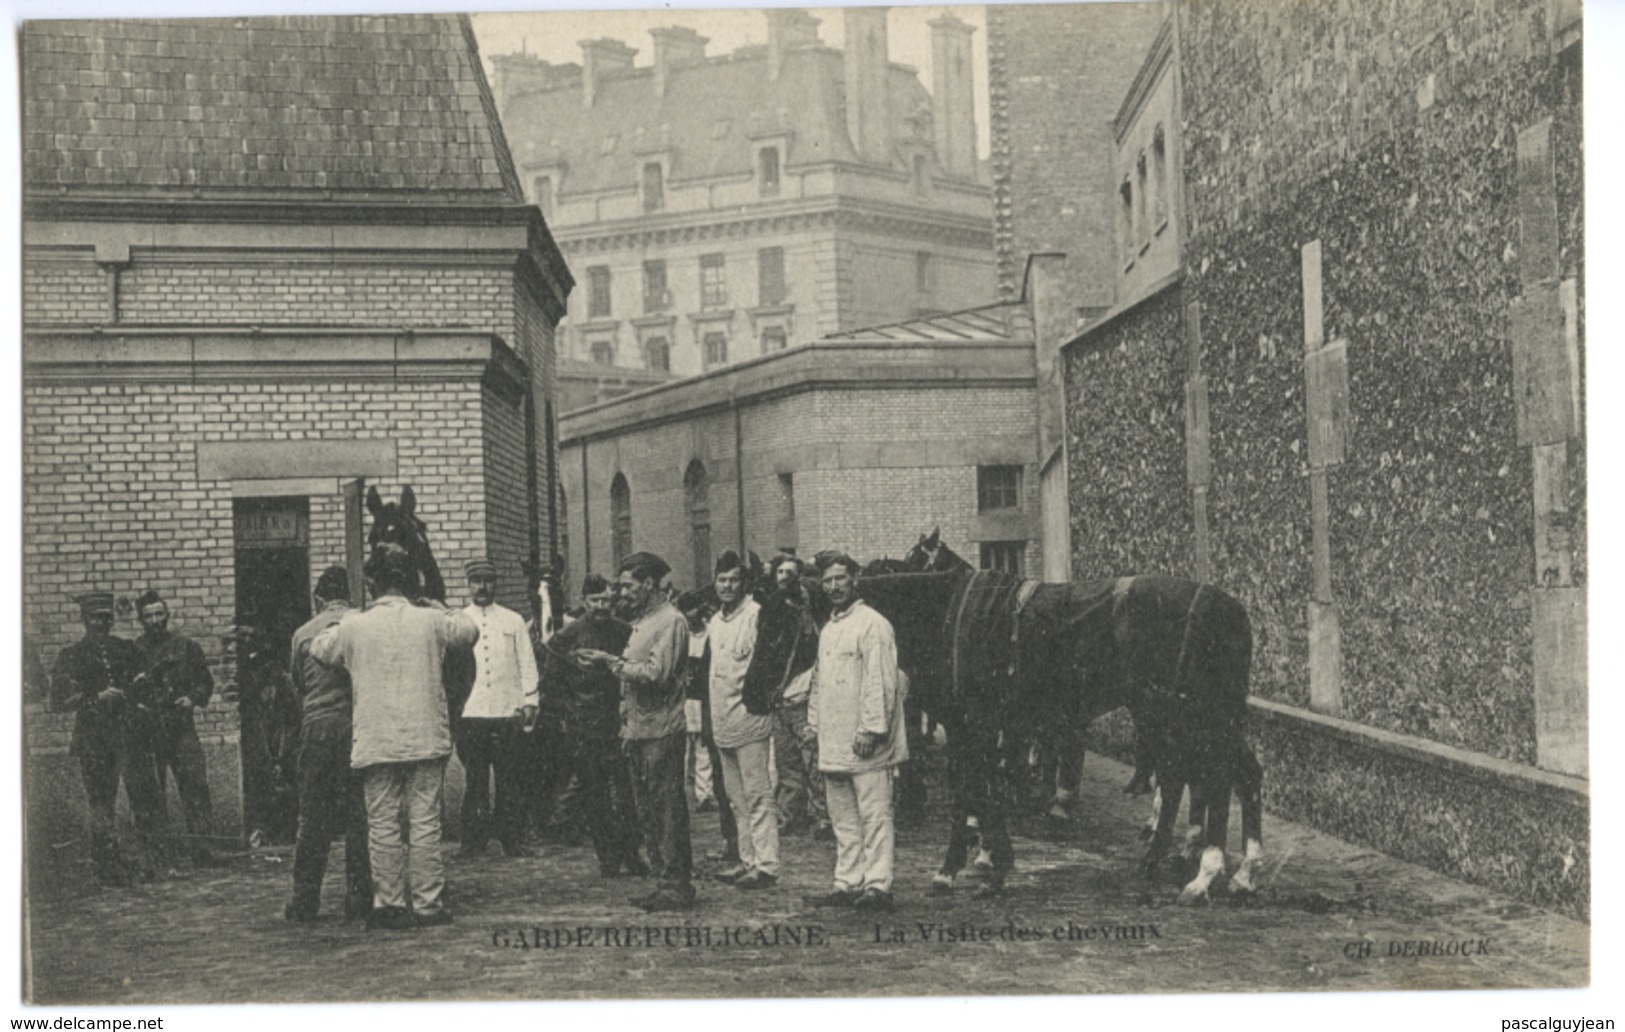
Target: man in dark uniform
x=330, y=796
x=99, y=679
x=588, y=698
x=180, y=682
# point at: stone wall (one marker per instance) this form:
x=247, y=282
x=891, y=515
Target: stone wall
x=1386, y=138
x=1130, y=508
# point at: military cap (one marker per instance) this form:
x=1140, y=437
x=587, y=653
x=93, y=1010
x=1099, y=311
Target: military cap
x=94, y=602
x=480, y=568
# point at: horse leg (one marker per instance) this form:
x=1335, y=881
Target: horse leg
x=999, y=801
x=1217, y=827
x=1250, y=786
x=1169, y=794
x=1069, y=752
x=961, y=812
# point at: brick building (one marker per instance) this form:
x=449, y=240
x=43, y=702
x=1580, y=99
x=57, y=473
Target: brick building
x=860, y=441
x=718, y=208
x=268, y=263
x=1338, y=374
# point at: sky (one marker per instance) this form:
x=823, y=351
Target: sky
x=555, y=35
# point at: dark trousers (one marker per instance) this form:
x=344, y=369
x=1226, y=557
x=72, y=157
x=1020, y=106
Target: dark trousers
x=180, y=754
x=104, y=761
x=604, y=800
x=486, y=745
x=657, y=785
x=330, y=803
x=801, y=785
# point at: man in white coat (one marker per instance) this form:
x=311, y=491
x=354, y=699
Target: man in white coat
x=742, y=737
x=489, y=736
x=855, y=709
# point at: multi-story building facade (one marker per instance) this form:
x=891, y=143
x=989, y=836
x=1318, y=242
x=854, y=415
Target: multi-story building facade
x=716, y=209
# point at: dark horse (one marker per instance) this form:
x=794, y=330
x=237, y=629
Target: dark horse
x=397, y=524
x=997, y=661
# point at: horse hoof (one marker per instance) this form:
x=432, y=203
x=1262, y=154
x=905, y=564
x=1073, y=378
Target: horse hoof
x=941, y=885
x=1189, y=897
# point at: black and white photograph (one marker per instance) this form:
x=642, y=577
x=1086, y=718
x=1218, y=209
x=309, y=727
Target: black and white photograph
x=1024, y=500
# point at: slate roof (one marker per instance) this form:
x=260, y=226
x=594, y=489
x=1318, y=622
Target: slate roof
x=1000, y=321
x=707, y=118
x=355, y=106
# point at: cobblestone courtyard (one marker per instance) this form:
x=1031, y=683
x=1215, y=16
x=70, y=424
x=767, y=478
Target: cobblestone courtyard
x=1076, y=919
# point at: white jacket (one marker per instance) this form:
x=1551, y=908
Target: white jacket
x=856, y=687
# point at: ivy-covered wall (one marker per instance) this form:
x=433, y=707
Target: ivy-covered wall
x=1387, y=131
x=1130, y=508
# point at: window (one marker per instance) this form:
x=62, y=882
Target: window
x=770, y=276
x=657, y=354
x=598, y=292
x=716, y=349
x=654, y=186
x=787, y=496
x=998, y=487
x=656, y=298
x=563, y=524
x=922, y=271
x=1142, y=224
x=1159, y=161
x=774, y=339
x=713, y=281
x=921, y=177
x=1125, y=220
x=542, y=189
x=603, y=352
x=767, y=164
x=620, y=518
x=1003, y=556
x=696, y=492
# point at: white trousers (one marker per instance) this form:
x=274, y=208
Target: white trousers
x=745, y=772
x=860, y=810
x=421, y=788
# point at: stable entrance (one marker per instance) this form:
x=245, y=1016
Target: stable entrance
x=273, y=599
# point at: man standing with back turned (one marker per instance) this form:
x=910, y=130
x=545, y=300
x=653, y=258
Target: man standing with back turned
x=655, y=730
x=395, y=652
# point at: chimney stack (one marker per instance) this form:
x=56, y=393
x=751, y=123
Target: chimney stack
x=675, y=46
x=953, y=95
x=787, y=28
x=868, y=82
x=600, y=57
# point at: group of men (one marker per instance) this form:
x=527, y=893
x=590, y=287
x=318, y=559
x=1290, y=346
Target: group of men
x=383, y=712
x=134, y=704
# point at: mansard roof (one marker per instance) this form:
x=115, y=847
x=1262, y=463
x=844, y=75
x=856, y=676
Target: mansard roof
x=338, y=107
x=713, y=111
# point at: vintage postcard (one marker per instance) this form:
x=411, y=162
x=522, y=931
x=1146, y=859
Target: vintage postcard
x=1017, y=500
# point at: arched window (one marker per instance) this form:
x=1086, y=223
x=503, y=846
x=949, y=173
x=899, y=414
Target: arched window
x=1142, y=220
x=620, y=519
x=1125, y=220
x=696, y=496
x=1159, y=162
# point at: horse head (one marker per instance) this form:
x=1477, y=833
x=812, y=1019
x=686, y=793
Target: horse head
x=932, y=555
x=396, y=523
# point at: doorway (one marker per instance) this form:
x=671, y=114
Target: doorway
x=273, y=599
